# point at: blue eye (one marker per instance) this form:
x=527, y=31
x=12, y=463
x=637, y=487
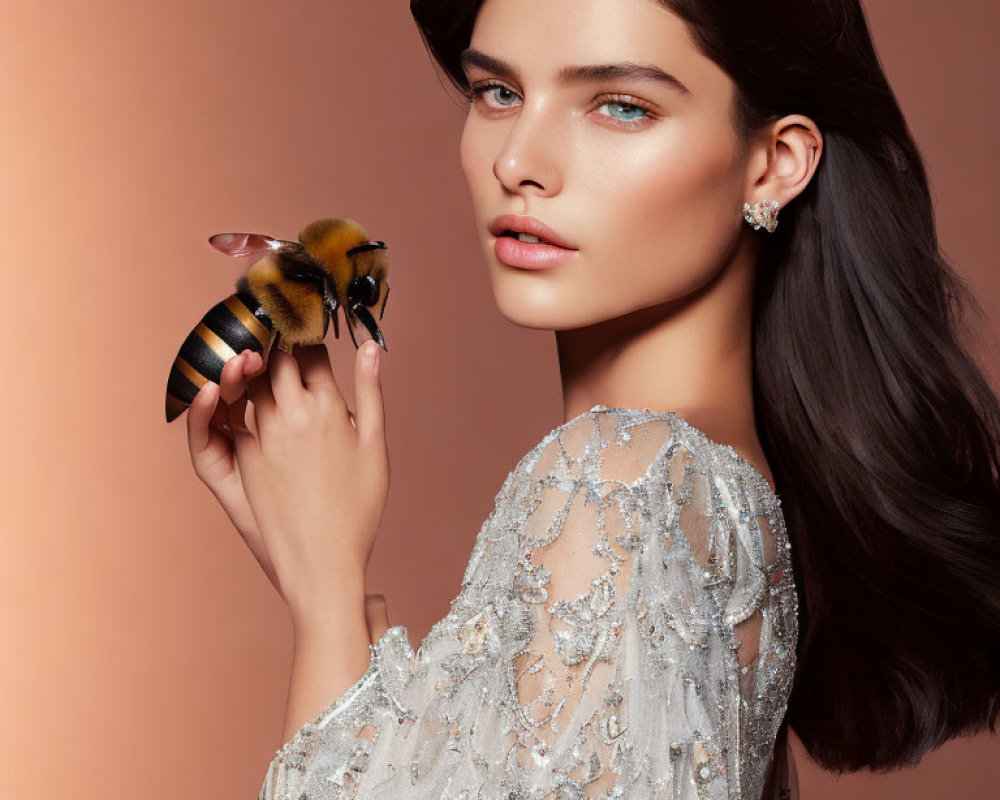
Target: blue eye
x=503, y=91
x=501, y=96
x=628, y=108
x=488, y=88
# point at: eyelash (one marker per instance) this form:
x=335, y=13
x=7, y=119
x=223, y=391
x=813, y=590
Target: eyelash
x=478, y=90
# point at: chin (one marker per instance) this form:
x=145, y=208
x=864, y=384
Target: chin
x=525, y=309
x=538, y=309
x=535, y=299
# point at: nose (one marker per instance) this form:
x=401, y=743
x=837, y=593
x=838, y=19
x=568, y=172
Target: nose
x=528, y=157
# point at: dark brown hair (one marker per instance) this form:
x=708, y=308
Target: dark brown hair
x=882, y=432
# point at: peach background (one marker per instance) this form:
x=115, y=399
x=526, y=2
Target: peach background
x=144, y=652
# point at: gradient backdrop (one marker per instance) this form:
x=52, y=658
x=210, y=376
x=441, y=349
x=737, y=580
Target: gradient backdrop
x=144, y=653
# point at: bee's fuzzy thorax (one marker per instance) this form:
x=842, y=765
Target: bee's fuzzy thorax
x=287, y=296
x=295, y=308
x=328, y=240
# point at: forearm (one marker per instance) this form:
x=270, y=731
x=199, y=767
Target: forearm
x=331, y=652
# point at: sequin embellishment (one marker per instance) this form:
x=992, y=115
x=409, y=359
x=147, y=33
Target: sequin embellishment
x=626, y=628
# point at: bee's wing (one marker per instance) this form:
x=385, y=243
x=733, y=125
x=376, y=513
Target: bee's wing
x=252, y=246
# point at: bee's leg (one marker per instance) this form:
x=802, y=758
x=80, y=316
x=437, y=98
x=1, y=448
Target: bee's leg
x=384, y=301
x=368, y=320
x=331, y=307
x=350, y=330
x=276, y=344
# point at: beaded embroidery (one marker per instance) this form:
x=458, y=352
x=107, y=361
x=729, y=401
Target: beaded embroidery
x=626, y=628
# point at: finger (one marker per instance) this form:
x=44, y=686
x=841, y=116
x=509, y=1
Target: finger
x=230, y=382
x=255, y=367
x=256, y=364
x=262, y=397
x=233, y=390
x=377, y=616
x=237, y=420
x=315, y=367
x=251, y=421
x=237, y=416
x=220, y=419
x=220, y=422
x=369, y=410
x=286, y=381
x=200, y=416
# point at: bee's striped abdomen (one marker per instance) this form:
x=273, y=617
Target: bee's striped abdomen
x=236, y=324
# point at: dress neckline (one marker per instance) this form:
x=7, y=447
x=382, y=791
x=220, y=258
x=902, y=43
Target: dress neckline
x=676, y=417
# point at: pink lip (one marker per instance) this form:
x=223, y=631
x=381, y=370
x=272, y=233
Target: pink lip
x=530, y=255
x=522, y=223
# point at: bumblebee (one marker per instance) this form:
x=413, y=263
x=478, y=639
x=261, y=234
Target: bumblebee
x=287, y=296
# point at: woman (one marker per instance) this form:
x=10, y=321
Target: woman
x=636, y=621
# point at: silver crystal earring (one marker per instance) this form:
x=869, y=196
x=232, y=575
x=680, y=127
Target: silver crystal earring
x=764, y=214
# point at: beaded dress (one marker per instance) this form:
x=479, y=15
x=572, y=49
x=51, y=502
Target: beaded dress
x=625, y=628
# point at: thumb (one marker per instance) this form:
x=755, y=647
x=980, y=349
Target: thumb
x=369, y=411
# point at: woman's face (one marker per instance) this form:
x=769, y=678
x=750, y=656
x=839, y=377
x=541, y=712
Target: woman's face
x=644, y=178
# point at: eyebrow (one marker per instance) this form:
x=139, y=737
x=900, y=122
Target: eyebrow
x=624, y=70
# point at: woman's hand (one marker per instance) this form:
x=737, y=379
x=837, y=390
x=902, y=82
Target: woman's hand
x=315, y=484
x=213, y=454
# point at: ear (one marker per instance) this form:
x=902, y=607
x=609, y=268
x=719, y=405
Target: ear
x=784, y=159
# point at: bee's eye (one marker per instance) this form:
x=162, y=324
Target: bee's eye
x=363, y=289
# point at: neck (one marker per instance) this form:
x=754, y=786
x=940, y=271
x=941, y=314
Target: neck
x=691, y=355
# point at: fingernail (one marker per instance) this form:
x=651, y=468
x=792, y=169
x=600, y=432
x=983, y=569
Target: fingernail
x=373, y=358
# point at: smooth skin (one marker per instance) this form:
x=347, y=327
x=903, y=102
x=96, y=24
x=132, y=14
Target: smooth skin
x=306, y=490
x=648, y=182
x=655, y=311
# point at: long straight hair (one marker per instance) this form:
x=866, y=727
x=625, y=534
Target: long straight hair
x=881, y=431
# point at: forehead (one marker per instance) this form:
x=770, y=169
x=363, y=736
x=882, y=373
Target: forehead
x=540, y=36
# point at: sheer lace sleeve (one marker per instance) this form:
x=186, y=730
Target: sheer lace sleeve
x=653, y=551
x=625, y=629
x=326, y=756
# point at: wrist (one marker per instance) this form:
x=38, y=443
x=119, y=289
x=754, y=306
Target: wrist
x=321, y=604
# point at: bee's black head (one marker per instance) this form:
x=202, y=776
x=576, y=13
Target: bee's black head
x=363, y=289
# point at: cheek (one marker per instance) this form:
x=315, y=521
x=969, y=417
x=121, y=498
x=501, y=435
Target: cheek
x=474, y=156
x=671, y=210
x=463, y=151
